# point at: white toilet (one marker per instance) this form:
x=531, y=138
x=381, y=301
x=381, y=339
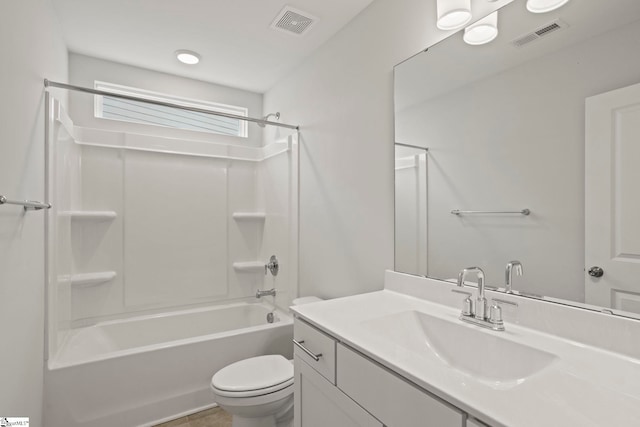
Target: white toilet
x=258, y=392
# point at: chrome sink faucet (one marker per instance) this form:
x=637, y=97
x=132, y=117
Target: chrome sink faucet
x=508, y=274
x=481, y=302
x=477, y=313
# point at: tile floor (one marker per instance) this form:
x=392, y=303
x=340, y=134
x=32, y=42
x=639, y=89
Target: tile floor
x=214, y=417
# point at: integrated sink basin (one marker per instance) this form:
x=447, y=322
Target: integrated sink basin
x=485, y=355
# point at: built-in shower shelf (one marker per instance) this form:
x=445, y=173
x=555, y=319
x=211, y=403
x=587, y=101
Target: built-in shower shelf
x=88, y=279
x=90, y=215
x=249, y=216
x=249, y=266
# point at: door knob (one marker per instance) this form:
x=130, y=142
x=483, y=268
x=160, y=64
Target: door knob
x=596, y=272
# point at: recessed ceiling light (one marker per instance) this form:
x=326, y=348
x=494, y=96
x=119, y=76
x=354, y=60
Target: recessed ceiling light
x=542, y=6
x=483, y=31
x=187, y=57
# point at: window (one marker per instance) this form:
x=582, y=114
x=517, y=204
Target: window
x=107, y=107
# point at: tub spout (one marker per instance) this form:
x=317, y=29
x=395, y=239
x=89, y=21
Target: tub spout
x=261, y=294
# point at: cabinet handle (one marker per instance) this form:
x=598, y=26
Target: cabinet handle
x=315, y=357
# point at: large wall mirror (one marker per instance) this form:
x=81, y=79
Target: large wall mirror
x=527, y=148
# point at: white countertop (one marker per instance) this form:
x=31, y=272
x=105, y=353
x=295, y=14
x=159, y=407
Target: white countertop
x=584, y=386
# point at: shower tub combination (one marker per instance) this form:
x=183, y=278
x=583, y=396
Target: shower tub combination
x=134, y=340
x=149, y=369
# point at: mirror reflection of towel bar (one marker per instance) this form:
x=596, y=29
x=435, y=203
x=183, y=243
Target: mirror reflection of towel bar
x=27, y=204
x=521, y=212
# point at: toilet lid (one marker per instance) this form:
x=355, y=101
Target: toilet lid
x=256, y=373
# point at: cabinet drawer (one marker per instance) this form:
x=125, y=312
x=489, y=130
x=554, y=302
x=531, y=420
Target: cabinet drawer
x=319, y=346
x=388, y=397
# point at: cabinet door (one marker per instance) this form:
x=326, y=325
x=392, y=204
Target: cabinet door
x=389, y=397
x=318, y=403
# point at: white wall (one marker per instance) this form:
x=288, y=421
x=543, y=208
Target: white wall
x=342, y=97
x=31, y=50
x=85, y=70
x=519, y=145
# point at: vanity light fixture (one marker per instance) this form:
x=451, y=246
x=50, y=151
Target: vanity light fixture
x=542, y=6
x=187, y=57
x=453, y=14
x=482, y=31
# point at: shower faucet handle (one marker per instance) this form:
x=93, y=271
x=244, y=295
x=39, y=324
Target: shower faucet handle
x=273, y=266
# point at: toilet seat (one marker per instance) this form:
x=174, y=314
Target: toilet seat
x=252, y=393
x=256, y=376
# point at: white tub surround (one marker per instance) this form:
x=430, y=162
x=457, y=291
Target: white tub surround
x=182, y=210
x=554, y=365
x=143, y=224
x=157, y=367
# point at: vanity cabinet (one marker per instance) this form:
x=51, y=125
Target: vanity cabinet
x=344, y=388
x=317, y=401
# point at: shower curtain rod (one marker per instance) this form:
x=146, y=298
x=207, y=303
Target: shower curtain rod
x=49, y=83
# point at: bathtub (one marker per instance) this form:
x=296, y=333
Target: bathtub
x=144, y=370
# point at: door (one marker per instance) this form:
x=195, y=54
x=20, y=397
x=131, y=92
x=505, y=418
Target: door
x=612, y=199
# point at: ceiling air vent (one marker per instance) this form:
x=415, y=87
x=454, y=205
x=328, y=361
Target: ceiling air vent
x=541, y=32
x=293, y=21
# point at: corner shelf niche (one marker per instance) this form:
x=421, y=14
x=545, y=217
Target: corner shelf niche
x=249, y=216
x=88, y=279
x=249, y=266
x=96, y=216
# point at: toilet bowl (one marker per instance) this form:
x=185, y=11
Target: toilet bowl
x=257, y=392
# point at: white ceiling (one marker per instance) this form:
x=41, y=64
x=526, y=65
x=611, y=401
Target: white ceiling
x=234, y=37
